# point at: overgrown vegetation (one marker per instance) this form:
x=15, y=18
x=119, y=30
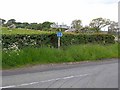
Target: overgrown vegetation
x=50, y=40
x=26, y=43
x=45, y=55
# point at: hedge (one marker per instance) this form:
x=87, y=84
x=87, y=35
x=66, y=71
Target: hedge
x=50, y=40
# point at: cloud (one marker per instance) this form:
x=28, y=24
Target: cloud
x=104, y=1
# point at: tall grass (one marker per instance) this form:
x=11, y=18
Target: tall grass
x=30, y=56
x=93, y=52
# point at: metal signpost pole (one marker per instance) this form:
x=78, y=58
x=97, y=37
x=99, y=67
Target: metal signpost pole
x=58, y=42
x=59, y=34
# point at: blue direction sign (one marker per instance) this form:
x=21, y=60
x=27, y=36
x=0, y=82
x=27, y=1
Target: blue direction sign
x=59, y=34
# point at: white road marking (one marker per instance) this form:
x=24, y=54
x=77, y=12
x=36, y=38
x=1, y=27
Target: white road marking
x=26, y=84
x=51, y=80
x=68, y=77
x=8, y=86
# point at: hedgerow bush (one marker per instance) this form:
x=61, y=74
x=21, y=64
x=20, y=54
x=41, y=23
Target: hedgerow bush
x=50, y=40
x=84, y=39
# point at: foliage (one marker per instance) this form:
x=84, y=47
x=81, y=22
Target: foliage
x=46, y=25
x=99, y=23
x=11, y=21
x=26, y=40
x=50, y=40
x=77, y=25
x=21, y=25
x=113, y=28
x=34, y=26
x=31, y=56
x=3, y=21
x=94, y=26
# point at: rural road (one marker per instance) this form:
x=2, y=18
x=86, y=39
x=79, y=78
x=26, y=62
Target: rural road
x=102, y=74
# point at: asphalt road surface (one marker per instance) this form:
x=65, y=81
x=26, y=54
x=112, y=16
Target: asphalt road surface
x=102, y=74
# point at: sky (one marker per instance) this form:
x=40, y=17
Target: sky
x=59, y=11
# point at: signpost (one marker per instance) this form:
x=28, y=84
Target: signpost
x=59, y=34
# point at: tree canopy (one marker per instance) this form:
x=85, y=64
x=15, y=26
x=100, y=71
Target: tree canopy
x=77, y=24
x=94, y=26
x=99, y=23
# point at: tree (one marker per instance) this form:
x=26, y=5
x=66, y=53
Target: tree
x=21, y=25
x=77, y=25
x=39, y=26
x=25, y=24
x=18, y=25
x=46, y=25
x=3, y=21
x=113, y=28
x=33, y=26
x=86, y=29
x=99, y=23
x=11, y=21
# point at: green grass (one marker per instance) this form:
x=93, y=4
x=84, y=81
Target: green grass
x=7, y=31
x=22, y=31
x=32, y=56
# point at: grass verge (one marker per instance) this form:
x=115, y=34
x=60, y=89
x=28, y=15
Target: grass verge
x=31, y=56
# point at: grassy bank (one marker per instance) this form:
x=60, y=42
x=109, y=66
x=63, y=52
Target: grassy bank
x=22, y=31
x=30, y=56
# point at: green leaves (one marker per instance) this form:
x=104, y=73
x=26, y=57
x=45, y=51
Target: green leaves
x=99, y=23
x=50, y=40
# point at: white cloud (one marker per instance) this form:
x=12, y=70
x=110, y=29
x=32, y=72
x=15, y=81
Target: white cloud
x=104, y=1
x=58, y=10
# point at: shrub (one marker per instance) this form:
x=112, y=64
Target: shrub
x=50, y=40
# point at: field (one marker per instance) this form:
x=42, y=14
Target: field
x=22, y=31
x=6, y=31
